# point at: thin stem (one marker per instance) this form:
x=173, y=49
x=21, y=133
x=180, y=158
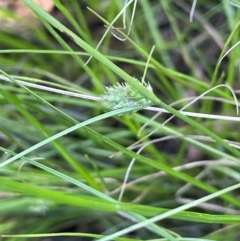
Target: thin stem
x=95, y=98
x=63, y=92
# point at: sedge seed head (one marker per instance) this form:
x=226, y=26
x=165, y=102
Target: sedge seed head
x=124, y=95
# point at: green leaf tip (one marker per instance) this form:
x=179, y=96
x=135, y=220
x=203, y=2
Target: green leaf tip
x=124, y=95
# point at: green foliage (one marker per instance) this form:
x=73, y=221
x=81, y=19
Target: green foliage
x=65, y=161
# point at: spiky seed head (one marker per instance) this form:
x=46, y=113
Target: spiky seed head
x=124, y=95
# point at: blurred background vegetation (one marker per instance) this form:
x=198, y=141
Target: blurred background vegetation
x=186, y=59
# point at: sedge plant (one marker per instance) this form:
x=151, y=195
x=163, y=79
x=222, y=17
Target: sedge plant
x=59, y=165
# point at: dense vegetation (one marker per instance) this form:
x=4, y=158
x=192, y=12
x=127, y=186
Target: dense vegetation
x=66, y=172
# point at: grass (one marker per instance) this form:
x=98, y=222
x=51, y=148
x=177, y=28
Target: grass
x=65, y=167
